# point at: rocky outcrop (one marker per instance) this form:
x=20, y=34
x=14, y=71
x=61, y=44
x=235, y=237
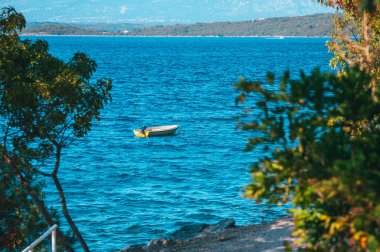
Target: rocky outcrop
x=185, y=233
x=223, y=236
x=201, y=230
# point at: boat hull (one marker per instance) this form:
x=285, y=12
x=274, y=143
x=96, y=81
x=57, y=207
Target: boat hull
x=156, y=131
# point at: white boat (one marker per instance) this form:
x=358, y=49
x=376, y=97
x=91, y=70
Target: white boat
x=165, y=130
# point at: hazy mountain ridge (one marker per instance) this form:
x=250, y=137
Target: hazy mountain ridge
x=316, y=25
x=311, y=26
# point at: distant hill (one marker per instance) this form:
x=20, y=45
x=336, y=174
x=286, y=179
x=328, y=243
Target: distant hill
x=51, y=28
x=60, y=29
x=111, y=27
x=318, y=25
x=311, y=26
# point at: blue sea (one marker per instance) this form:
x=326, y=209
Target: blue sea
x=122, y=190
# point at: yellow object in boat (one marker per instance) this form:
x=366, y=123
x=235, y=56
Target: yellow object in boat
x=139, y=133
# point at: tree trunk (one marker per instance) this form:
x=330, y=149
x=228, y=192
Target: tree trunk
x=63, y=199
x=67, y=215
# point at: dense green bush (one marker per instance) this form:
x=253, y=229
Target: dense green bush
x=326, y=131
x=326, y=134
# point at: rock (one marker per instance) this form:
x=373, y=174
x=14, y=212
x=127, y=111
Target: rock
x=200, y=230
x=135, y=248
x=225, y=237
x=157, y=244
x=185, y=233
x=219, y=227
x=154, y=245
x=188, y=232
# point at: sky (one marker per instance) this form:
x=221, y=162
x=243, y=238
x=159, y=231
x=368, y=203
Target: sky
x=160, y=11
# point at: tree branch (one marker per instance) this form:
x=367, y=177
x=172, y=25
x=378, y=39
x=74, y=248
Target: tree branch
x=62, y=197
x=40, y=204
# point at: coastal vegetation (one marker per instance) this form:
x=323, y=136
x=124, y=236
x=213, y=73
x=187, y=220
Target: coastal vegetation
x=98, y=29
x=318, y=25
x=61, y=29
x=46, y=104
x=324, y=137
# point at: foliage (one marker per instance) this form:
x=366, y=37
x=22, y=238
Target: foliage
x=324, y=129
x=20, y=221
x=358, y=5
x=324, y=161
x=45, y=105
x=356, y=37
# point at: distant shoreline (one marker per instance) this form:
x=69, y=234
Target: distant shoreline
x=164, y=36
x=316, y=25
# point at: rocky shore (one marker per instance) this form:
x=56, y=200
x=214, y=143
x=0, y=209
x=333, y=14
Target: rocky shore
x=223, y=236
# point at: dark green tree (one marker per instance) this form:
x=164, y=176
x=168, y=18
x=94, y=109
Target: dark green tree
x=20, y=221
x=323, y=136
x=46, y=104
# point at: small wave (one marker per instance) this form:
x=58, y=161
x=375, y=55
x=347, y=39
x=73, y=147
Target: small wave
x=135, y=228
x=202, y=217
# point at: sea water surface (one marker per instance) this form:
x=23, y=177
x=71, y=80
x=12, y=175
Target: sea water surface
x=122, y=190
